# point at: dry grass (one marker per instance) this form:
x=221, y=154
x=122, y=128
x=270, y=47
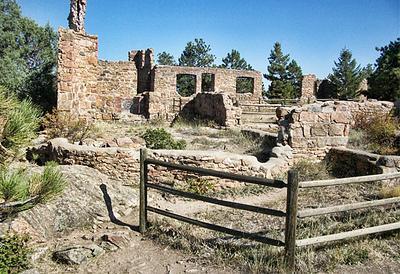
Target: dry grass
x=247, y=256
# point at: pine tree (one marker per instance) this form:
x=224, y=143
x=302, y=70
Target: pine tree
x=197, y=54
x=346, y=76
x=384, y=82
x=234, y=61
x=166, y=59
x=285, y=75
x=27, y=56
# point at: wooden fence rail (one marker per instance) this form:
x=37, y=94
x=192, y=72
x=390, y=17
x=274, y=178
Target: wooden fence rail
x=292, y=214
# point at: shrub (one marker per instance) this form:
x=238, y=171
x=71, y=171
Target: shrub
x=19, y=122
x=380, y=132
x=16, y=185
x=13, y=254
x=311, y=171
x=198, y=186
x=63, y=124
x=159, y=138
x=13, y=184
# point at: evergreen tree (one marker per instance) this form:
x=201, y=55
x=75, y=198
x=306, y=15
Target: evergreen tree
x=234, y=61
x=197, y=54
x=384, y=82
x=285, y=75
x=166, y=59
x=346, y=76
x=27, y=56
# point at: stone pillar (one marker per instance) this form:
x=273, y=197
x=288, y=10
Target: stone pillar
x=308, y=89
x=76, y=18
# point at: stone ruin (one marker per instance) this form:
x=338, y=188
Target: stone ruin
x=76, y=18
x=90, y=88
x=103, y=90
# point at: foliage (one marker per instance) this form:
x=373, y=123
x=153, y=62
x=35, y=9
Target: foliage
x=390, y=192
x=166, y=59
x=186, y=84
x=13, y=254
x=13, y=184
x=18, y=124
x=384, y=82
x=198, y=186
x=377, y=133
x=326, y=90
x=346, y=76
x=311, y=171
x=17, y=185
x=244, y=85
x=197, y=54
x=285, y=75
x=48, y=184
x=159, y=138
x=27, y=56
x=234, y=61
x=64, y=124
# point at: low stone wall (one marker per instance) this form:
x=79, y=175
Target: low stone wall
x=350, y=162
x=123, y=163
x=312, y=130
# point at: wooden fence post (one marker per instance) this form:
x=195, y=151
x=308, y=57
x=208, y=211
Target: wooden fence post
x=143, y=191
x=291, y=219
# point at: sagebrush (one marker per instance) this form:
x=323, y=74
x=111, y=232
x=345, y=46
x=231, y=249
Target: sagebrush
x=159, y=138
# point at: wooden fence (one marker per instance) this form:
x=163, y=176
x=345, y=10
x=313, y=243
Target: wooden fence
x=291, y=215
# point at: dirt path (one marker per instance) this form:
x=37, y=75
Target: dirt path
x=189, y=207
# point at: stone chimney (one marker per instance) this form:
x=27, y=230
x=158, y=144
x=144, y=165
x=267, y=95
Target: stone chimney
x=76, y=18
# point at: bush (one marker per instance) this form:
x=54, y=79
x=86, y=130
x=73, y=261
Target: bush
x=63, y=124
x=19, y=122
x=159, y=138
x=380, y=132
x=13, y=254
x=16, y=185
x=198, y=186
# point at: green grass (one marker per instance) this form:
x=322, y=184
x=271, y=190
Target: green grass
x=13, y=254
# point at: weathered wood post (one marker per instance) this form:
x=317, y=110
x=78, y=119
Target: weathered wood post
x=291, y=219
x=143, y=191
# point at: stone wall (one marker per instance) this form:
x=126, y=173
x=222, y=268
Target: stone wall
x=77, y=71
x=311, y=130
x=88, y=87
x=217, y=107
x=123, y=163
x=164, y=91
x=350, y=162
x=308, y=89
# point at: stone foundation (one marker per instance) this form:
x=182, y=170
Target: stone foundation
x=312, y=130
x=350, y=162
x=123, y=163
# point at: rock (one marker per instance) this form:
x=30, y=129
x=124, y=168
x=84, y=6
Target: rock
x=77, y=255
x=124, y=142
x=88, y=194
x=117, y=240
x=108, y=246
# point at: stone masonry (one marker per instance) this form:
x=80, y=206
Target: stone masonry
x=312, y=130
x=76, y=18
x=123, y=163
x=93, y=89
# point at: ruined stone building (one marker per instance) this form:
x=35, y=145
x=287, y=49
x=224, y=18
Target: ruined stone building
x=95, y=89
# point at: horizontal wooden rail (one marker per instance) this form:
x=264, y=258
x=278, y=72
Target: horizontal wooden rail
x=256, y=209
x=218, y=228
x=348, y=234
x=341, y=208
x=351, y=180
x=220, y=174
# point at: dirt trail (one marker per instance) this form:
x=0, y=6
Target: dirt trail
x=190, y=207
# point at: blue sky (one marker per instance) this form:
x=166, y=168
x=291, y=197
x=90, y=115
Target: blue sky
x=312, y=31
